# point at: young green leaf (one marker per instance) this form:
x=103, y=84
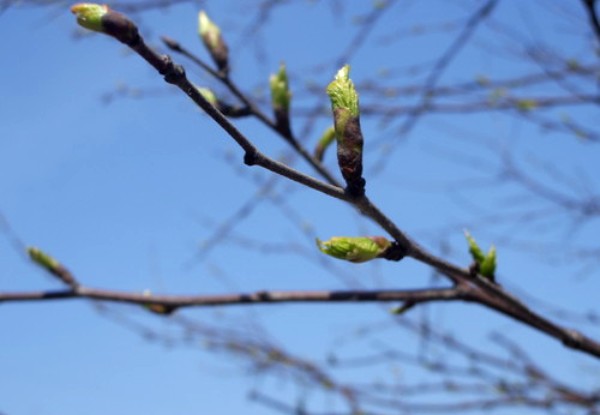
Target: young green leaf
x=474, y=250
x=485, y=264
x=342, y=93
x=487, y=267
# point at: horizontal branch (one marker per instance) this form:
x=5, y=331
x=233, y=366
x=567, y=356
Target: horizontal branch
x=257, y=297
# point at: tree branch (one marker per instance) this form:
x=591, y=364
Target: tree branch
x=467, y=287
x=257, y=297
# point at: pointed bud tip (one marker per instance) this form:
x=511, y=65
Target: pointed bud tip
x=343, y=74
x=207, y=27
x=210, y=34
x=89, y=15
x=280, y=89
x=42, y=259
x=342, y=93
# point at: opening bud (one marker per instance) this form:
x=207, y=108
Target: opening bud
x=100, y=18
x=355, y=248
x=344, y=104
x=485, y=264
x=280, y=90
x=89, y=15
x=280, y=99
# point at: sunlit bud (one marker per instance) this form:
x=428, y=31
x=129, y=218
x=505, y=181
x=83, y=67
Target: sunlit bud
x=476, y=252
x=344, y=104
x=355, y=249
x=342, y=93
x=487, y=268
x=280, y=99
x=214, y=42
x=89, y=15
x=324, y=143
x=280, y=90
x=485, y=263
x=43, y=259
x=51, y=265
x=208, y=95
x=101, y=18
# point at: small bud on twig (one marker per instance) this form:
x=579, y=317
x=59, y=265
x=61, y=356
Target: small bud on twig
x=100, y=18
x=355, y=249
x=403, y=308
x=208, y=95
x=214, y=42
x=487, y=268
x=324, y=143
x=344, y=104
x=52, y=266
x=485, y=264
x=226, y=109
x=160, y=309
x=157, y=308
x=281, y=98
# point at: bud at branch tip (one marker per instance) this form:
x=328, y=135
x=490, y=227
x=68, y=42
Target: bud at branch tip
x=89, y=15
x=211, y=36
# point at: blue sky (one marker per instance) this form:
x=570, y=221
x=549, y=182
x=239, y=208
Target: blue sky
x=125, y=194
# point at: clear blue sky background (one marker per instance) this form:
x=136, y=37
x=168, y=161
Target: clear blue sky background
x=125, y=194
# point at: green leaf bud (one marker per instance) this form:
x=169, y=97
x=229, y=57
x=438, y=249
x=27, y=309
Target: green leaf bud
x=344, y=104
x=100, y=18
x=354, y=249
x=324, y=142
x=487, y=267
x=51, y=265
x=280, y=90
x=474, y=249
x=485, y=264
x=280, y=99
x=214, y=42
x=208, y=95
x=89, y=15
x=342, y=93
x=44, y=260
